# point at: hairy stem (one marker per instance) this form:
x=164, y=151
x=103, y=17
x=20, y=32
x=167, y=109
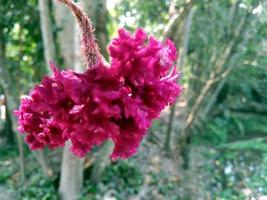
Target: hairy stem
x=90, y=50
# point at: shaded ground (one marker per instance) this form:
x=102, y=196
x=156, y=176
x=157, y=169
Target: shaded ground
x=7, y=194
x=235, y=170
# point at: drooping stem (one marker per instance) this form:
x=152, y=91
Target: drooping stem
x=90, y=50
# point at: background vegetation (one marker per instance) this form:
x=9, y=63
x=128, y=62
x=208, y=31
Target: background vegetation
x=211, y=144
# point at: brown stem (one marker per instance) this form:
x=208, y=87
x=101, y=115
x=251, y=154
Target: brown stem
x=176, y=18
x=90, y=49
x=167, y=145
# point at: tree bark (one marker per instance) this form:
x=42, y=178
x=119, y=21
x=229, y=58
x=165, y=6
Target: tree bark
x=213, y=97
x=7, y=127
x=71, y=176
x=173, y=28
x=66, y=33
x=101, y=162
x=47, y=34
x=70, y=164
x=186, y=34
x=49, y=55
x=12, y=98
x=97, y=11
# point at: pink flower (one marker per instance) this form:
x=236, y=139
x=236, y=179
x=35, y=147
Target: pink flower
x=116, y=102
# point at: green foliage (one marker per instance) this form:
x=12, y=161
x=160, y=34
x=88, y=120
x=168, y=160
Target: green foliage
x=231, y=127
x=37, y=187
x=124, y=177
x=258, y=180
x=237, y=169
x=119, y=179
x=40, y=188
x=151, y=15
x=216, y=132
x=259, y=144
x=7, y=167
x=20, y=30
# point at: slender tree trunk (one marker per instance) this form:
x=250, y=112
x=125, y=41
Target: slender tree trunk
x=12, y=98
x=40, y=157
x=72, y=167
x=66, y=33
x=47, y=34
x=21, y=148
x=78, y=65
x=167, y=145
x=98, y=12
x=49, y=55
x=186, y=34
x=7, y=129
x=101, y=162
x=173, y=29
x=71, y=177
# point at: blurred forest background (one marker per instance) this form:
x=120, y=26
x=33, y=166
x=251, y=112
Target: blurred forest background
x=211, y=144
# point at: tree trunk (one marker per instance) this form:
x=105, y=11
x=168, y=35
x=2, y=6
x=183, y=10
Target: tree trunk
x=101, y=162
x=7, y=128
x=186, y=34
x=97, y=11
x=71, y=177
x=49, y=55
x=12, y=98
x=47, y=34
x=66, y=33
x=70, y=182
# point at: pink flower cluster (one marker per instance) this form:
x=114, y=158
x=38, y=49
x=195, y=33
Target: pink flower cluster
x=116, y=101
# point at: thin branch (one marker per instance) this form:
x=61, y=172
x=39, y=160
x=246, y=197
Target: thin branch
x=187, y=26
x=176, y=20
x=214, y=77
